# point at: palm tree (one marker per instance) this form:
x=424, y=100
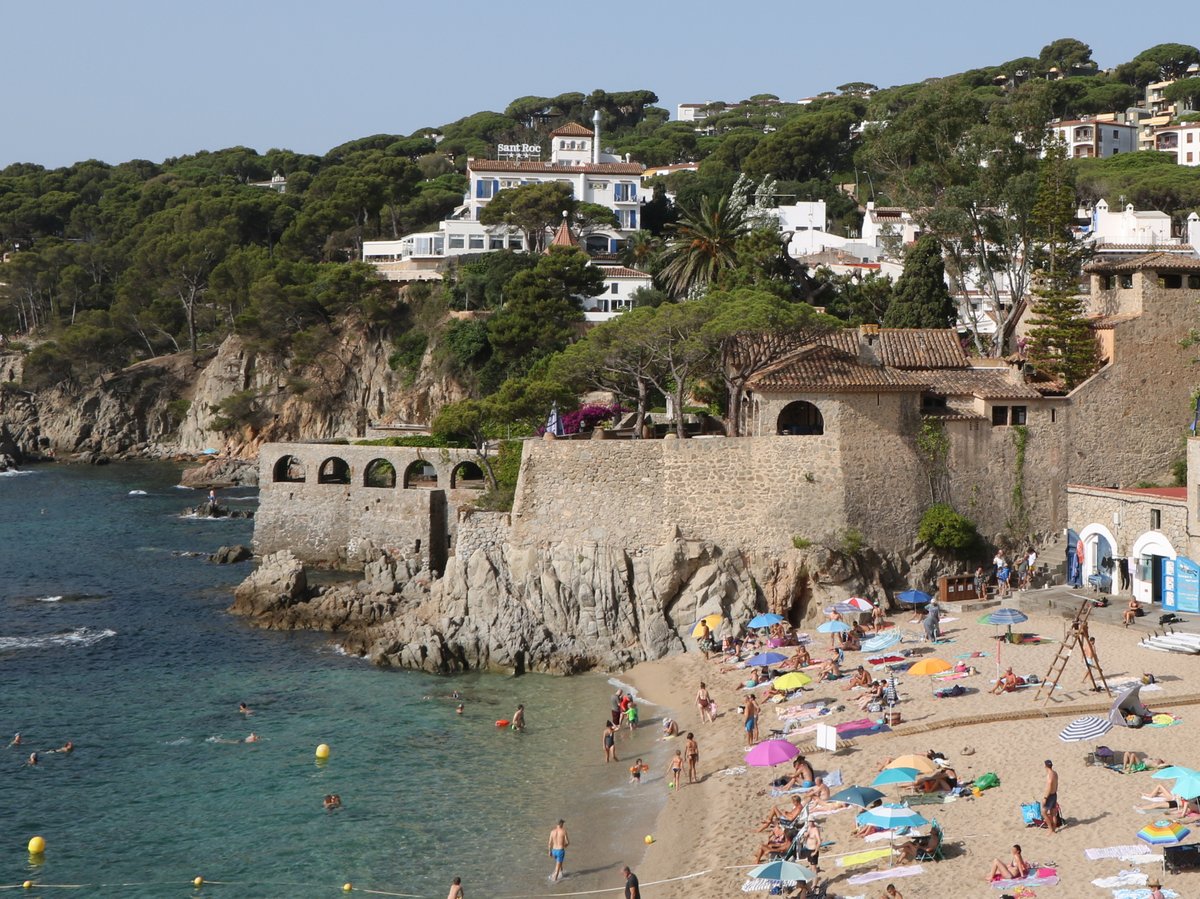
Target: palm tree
x=641, y=251
x=702, y=245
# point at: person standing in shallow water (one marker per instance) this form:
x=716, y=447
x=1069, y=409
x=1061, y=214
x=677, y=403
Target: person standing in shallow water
x=610, y=742
x=456, y=890
x=518, y=718
x=559, y=841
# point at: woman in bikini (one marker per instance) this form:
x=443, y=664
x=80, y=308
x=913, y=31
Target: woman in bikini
x=692, y=752
x=1016, y=869
x=704, y=701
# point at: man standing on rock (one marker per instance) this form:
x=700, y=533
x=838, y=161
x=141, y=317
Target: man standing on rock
x=558, y=848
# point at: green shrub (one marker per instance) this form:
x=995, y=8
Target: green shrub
x=944, y=529
x=416, y=440
x=235, y=410
x=801, y=542
x=506, y=465
x=852, y=541
x=1179, y=472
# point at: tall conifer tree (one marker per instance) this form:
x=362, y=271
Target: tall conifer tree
x=921, y=299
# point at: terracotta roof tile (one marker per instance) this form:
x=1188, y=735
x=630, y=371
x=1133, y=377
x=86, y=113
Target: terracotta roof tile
x=549, y=168
x=620, y=271
x=827, y=369
x=921, y=348
x=776, y=346
x=572, y=129
x=1160, y=261
x=1108, y=322
x=985, y=383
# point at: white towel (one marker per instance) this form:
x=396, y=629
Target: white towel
x=1113, y=852
x=1123, y=879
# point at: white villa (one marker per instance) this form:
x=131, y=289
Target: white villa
x=1095, y=137
x=575, y=159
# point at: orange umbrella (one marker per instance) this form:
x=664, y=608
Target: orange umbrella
x=929, y=666
x=918, y=762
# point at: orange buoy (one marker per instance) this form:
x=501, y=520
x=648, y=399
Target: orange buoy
x=503, y=722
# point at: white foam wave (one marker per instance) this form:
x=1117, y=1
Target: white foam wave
x=182, y=741
x=631, y=690
x=13, y=472
x=137, y=493
x=80, y=636
x=49, y=599
x=182, y=487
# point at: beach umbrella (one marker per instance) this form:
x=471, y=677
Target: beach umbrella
x=1160, y=833
x=890, y=776
x=882, y=641
x=842, y=608
x=784, y=872
x=920, y=763
x=793, y=680
x=1089, y=727
x=913, y=597
x=713, y=621
x=890, y=816
x=834, y=627
x=860, y=796
x=766, y=619
x=1173, y=771
x=861, y=603
x=771, y=752
x=1187, y=787
x=763, y=659
x=929, y=666
x=1004, y=616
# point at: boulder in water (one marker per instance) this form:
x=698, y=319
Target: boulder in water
x=229, y=555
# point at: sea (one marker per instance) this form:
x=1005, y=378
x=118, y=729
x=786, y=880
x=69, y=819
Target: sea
x=115, y=634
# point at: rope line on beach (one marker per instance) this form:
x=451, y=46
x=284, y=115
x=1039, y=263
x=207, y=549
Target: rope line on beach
x=649, y=883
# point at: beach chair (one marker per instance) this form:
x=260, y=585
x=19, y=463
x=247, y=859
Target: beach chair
x=933, y=852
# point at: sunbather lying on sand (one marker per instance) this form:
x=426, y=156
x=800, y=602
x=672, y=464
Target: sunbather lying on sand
x=1016, y=868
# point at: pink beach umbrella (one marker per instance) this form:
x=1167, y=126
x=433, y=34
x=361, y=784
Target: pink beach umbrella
x=771, y=752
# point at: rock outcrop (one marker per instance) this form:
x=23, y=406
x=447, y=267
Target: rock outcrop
x=559, y=608
x=221, y=472
x=231, y=555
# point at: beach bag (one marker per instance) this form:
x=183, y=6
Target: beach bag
x=1031, y=813
x=987, y=781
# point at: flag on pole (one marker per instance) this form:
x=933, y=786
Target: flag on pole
x=554, y=423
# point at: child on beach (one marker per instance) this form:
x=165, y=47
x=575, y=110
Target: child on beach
x=636, y=770
x=631, y=716
x=676, y=768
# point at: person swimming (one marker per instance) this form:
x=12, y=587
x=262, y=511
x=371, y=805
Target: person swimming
x=245, y=709
x=332, y=801
x=458, y=709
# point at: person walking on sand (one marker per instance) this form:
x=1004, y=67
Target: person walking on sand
x=676, y=768
x=610, y=742
x=632, y=889
x=616, y=708
x=704, y=701
x=751, y=719
x=559, y=841
x=456, y=890
x=1050, y=803
x=692, y=753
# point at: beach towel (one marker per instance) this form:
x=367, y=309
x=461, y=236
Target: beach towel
x=759, y=885
x=735, y=771
x=971, y=655
x=889, y=874
x=1113, y=852
x=1141, y=893
x=1123, y=879
x=885, y=660
x=861, y=728
x=833, y=778
x=1029, y=639
x=931, y=799
x=865, y=857
x=1165, y=719
x=1038, y=877
x=955, y=675
x=901, y=832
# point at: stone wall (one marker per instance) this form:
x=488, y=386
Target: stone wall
x=479, y=530
x=1127, y=516
x=324, y=522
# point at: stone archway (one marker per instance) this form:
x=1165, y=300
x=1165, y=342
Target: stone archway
x=800, y=418
x=379, y=473
x=467, y=475
x=333, y=470
x=288, y=470
x=420, y=474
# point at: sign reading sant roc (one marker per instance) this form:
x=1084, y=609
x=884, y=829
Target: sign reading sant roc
x=519, y=149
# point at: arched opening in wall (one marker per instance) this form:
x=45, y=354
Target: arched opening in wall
x=466, y=476
x=379, y=473
x=289, y=470
x=800, y=418
x=595, y=244
x=334, y=471
x=420, y=474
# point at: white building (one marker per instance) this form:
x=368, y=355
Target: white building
x=620, y=284
x=1092, y=138
x=883, y=225
x=1181, y=140
x=575, y=160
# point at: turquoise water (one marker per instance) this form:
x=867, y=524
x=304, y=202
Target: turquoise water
x=111, y=637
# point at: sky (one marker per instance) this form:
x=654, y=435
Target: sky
x=131, y=79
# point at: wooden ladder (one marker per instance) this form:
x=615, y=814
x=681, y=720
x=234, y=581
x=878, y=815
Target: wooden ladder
x=1077, y=633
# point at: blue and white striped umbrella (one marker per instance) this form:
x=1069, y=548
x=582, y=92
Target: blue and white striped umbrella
x=834, y=627
x=1089, y=727
x=1006, y=616
x=786, y=872
x=891, y=816
x=882, y=641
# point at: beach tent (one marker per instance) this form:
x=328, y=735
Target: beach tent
x=1128, y=703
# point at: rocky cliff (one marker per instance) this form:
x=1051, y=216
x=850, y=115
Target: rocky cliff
x=171, y=404
x=559, y=608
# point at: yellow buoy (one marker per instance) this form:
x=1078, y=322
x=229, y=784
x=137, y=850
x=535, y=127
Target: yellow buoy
x=28, y=885
x=347, y=887
x=37, y=845
x=649, y=839
x=323, y=751
x=198, y=881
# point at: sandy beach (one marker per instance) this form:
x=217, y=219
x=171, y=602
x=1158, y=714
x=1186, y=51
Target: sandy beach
x=711, y=826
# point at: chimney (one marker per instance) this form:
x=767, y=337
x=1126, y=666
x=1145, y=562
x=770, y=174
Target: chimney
x=596, y=136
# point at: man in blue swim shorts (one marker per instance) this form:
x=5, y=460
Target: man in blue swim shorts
x=558, y=848
x=751, y=713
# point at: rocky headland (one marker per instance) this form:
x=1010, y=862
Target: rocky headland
x=560, y=608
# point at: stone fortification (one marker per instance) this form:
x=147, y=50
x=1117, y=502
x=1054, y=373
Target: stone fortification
x=322, y=501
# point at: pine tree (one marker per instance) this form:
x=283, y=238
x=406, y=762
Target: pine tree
x=921, y=299
x=1061, y=342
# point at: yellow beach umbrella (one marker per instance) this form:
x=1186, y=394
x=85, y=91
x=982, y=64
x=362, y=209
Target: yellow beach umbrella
x=713, y=621
x=793, y=680
x=919, y=762
x=929, y=666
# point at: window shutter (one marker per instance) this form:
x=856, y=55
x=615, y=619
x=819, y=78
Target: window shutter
x=632, y=218
x=633, y=191
x=495, y=188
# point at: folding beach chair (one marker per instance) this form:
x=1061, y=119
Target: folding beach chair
x=937, y=838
